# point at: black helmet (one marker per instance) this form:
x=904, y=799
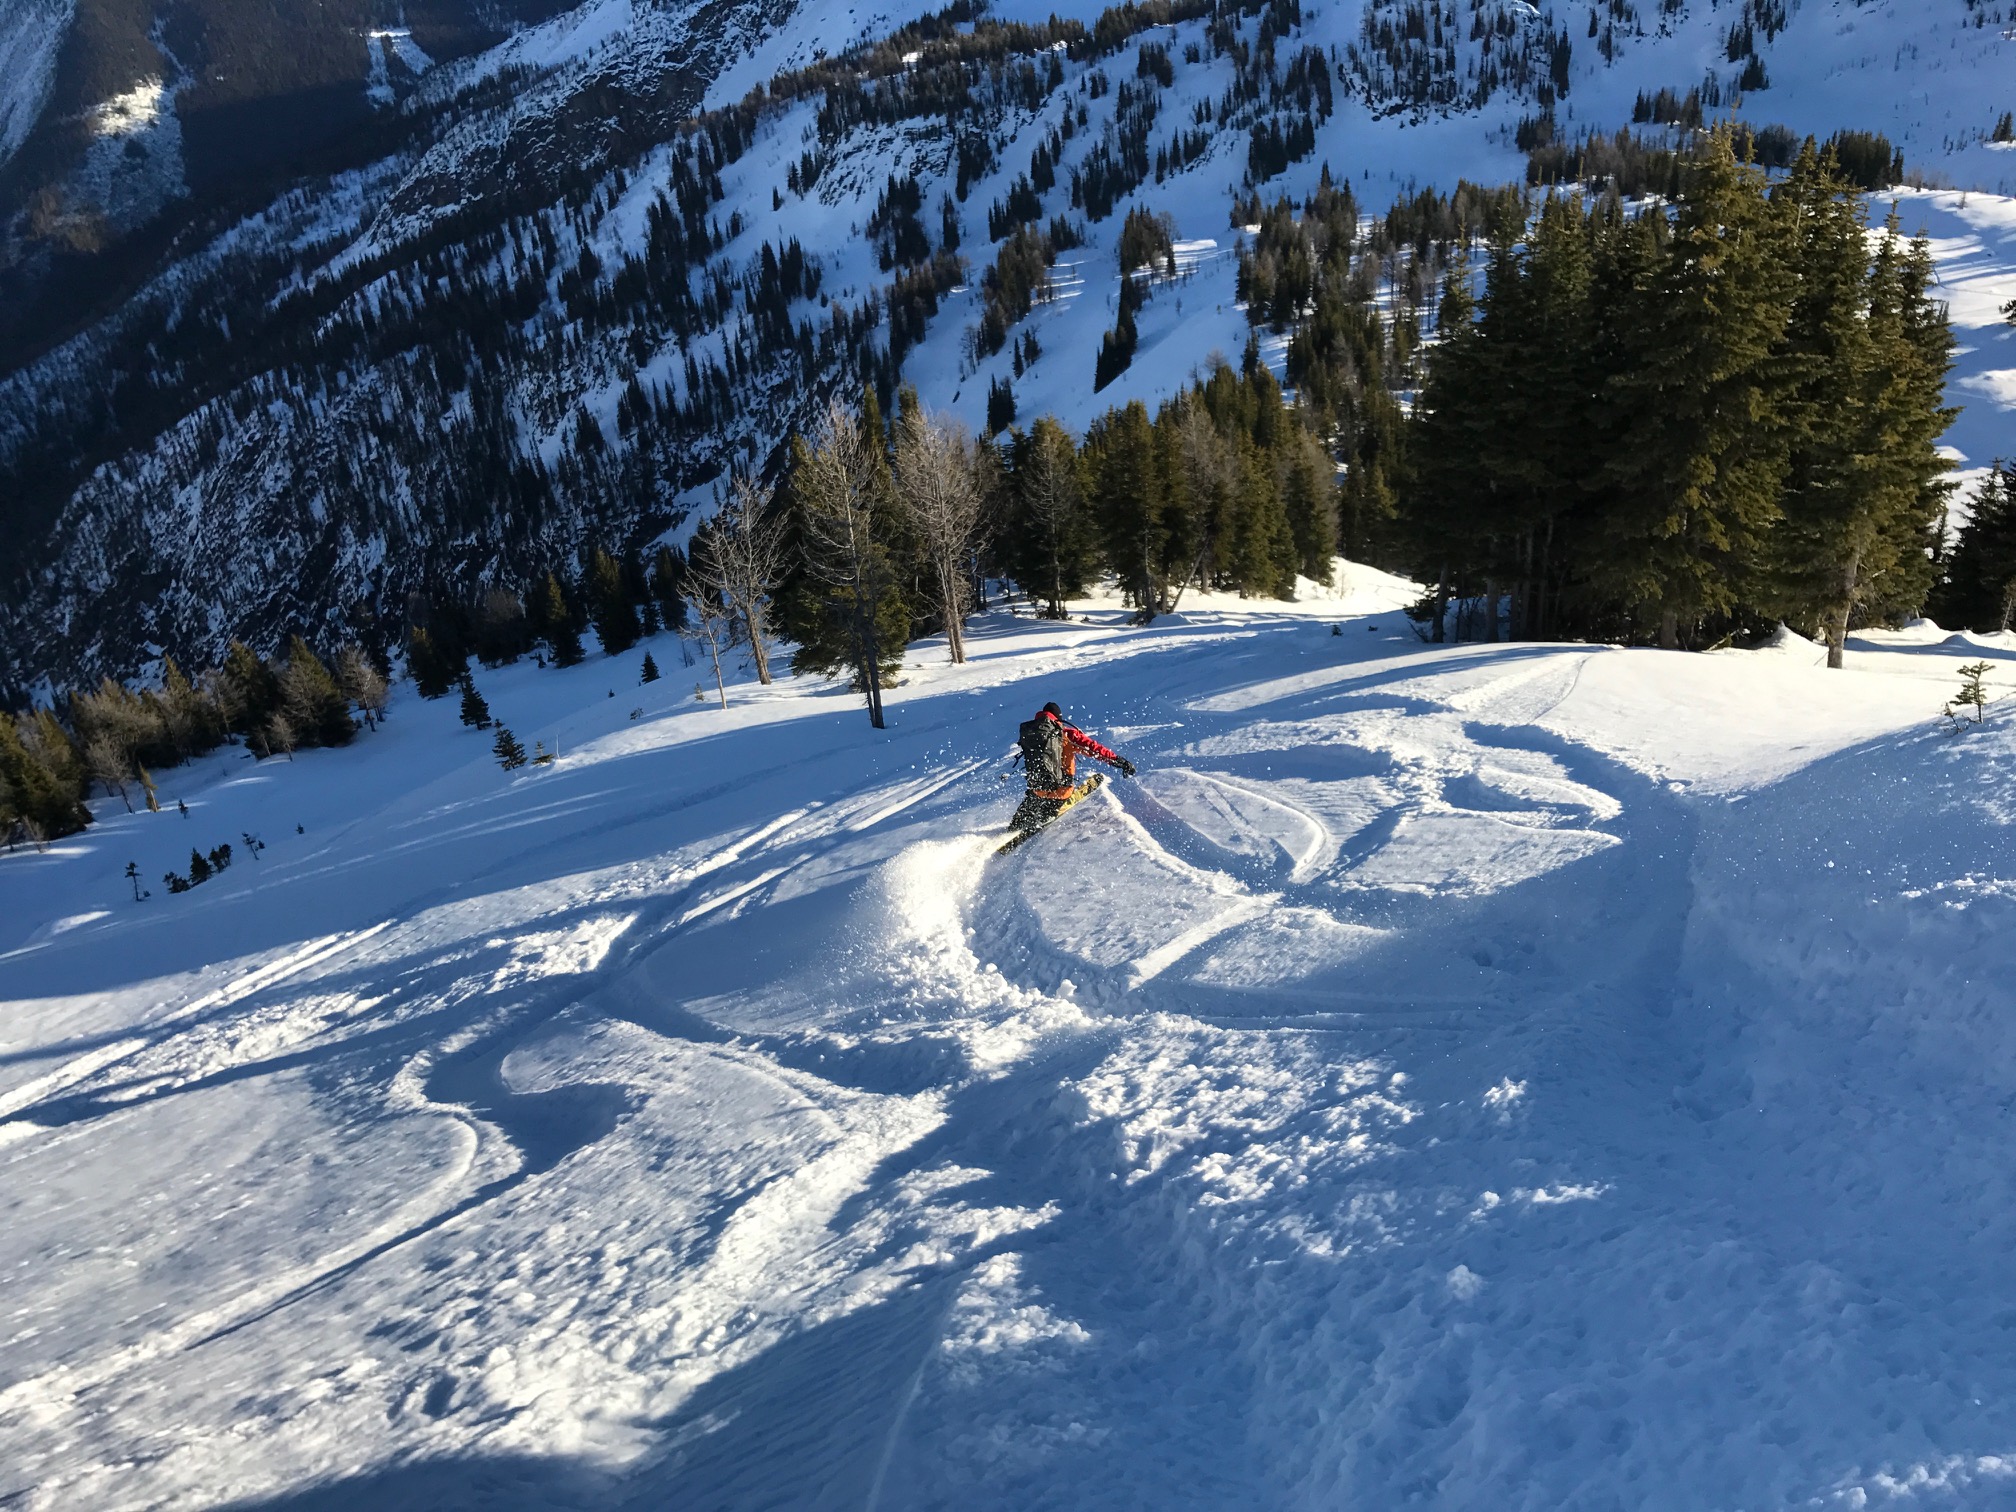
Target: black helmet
x=1051, y=708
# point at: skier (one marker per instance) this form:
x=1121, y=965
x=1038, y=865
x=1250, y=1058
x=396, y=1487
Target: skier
x=1049, y=756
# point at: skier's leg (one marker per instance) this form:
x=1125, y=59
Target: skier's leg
x=1036, y=812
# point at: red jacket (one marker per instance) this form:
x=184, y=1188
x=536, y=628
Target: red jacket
x=1075, y=740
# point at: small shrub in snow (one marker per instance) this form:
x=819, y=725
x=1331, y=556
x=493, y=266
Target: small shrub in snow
x=1973, y=696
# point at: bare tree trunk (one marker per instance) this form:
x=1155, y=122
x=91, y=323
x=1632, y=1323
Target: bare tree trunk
x=840, y=487
x=759, y=653
x=935, y=476
x=1669, y=630
x=720, y=687
x=1442, y=606
x=1837, y=619
x=1491, y=611
x=871, y=662
x=951, y=585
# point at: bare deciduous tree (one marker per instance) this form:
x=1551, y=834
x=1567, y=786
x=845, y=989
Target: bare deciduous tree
x=111, y=764
x=842, y=489
x=360, y=682
x=712, y=622
x=934, y=474
x=737, y=561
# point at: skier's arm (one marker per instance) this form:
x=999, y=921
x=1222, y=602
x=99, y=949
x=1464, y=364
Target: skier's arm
x=1092, y=747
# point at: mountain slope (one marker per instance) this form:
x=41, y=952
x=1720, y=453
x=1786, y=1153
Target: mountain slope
x=1494, y=1076
x=379, y=383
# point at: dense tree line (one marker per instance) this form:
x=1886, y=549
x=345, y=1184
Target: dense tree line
x=1668, y=425
x=1315, y=275
x=114, y=738
x=893, y=528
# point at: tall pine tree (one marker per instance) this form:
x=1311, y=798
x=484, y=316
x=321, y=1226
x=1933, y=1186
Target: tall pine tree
x=1980, y=588
x=1699, y=455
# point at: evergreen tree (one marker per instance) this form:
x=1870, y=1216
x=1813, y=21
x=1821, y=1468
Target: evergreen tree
x=1441, y=489
x=434, y=671
x=555, y=623
x=1309, y=496
x=1203, y=471
x=475, y=711
x=650, y=672
x=668, y=587
x=609, y=606
x=1263, y=558
x=1049, y=548
x=1970, y=704
x=1917, y=472
x=199, y=868
x=847, y=607
x=1980, y=588
x=1000, y=406
x=1542, y=460
x=1116, y=348
x=252, y=689
x=510, y=754
x=34, y=796
x=1831, y=503
x=1700, y=452
x=1128, y=504
x=314, y=706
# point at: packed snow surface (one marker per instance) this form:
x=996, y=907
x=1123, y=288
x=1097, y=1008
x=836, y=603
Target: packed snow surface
x=1479, y=1076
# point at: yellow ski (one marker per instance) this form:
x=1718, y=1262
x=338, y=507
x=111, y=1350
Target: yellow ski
x=1084, y=790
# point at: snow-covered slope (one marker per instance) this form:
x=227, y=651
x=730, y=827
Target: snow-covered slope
x=31, y=34
x=1515, y=1077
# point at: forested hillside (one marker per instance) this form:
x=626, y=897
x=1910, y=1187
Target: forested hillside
x=604, y=264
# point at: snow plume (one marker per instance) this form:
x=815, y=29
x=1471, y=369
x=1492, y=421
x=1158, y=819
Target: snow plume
x=924, y=897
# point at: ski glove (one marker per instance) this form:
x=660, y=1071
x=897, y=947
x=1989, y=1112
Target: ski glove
x=1126, y=766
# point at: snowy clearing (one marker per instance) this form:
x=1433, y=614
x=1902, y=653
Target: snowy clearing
x=1478, y=1076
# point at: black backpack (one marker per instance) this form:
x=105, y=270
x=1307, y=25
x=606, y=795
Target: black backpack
x=1042, y=742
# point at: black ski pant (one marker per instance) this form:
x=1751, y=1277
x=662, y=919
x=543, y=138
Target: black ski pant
x=1036, y=812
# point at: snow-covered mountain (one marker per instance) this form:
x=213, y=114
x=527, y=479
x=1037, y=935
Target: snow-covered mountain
x=1513, y=1077
x=564, y=282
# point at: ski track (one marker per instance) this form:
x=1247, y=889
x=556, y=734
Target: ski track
x=1405, y=1093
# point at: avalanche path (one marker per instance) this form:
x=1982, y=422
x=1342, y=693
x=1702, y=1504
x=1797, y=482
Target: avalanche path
x=1475, y=1076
